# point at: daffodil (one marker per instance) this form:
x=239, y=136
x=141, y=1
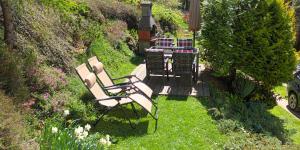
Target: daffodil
x=87, y=127
x=54, y=130
x=66, y=113
x=103, y=141
x=78, y=131
x=107, y=137
x=85, y=134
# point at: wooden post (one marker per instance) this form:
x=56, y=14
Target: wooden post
x=194, y=38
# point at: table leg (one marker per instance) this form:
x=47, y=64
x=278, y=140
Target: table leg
x=197, y=67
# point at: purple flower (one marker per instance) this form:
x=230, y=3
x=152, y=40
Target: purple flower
x=46, y=95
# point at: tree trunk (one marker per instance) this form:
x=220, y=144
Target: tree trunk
x=232, y=77
x=8, y=23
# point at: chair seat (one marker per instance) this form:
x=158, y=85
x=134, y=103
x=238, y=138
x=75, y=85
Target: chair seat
x=113, y=102
x=142, y=100
x=115, y=91
x=145, y=88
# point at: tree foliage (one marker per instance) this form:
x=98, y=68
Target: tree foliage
x=253, y=36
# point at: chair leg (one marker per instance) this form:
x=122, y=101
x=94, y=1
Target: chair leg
x=134, y=111
x=155, y=117
x=167, y=66
x=103, y=113
x=127, y=117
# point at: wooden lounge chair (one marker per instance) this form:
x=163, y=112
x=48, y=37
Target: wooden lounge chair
x=133, y=82
x=184, y=63
x=156, y=63
x=111, y=102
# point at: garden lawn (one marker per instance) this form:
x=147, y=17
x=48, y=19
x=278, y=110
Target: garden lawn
x=290, y=122
x=183, y=124
x=281, y=90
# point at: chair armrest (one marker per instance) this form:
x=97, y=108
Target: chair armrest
x=128, y=77
x=124, y=77
x=116, y=87
x=118, y=98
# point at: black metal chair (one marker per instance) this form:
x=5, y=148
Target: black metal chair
x=184, y=64
x=156, y=63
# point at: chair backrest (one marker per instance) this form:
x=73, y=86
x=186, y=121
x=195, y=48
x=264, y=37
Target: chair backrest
x=185, y=43
x=183, y=61
x=89, y=80
x=164, y=42
x=99, y=70
x=155, y=60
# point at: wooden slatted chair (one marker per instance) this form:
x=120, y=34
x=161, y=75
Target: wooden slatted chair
x=184, y=63
x=156, y=64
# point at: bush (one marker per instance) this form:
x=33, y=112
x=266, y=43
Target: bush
x=244, y=140
x=40, y=29
x=249, y=117
x=258, y=41
x=170, y=20
x=115, y=32
x=47, y=79
x=12, y=74
x=13, y=132
x=217, y=35
x=243, y=86
x=113, y=9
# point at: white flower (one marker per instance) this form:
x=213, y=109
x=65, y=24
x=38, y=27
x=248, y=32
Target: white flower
x=108, y=143
x=107, y=137
x=103, y=141
x=66, y=113
x=54, y=130
x=87, y=127
x=85, y=134
x=78, y=131
x=80, y=137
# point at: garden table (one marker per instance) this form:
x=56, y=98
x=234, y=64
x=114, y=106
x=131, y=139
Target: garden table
x=168, y=52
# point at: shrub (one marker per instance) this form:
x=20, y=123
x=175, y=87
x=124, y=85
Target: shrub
x=249, y=117
x=242, y=140
x=12, y=74
x=243, y=86
x=41, y=29
x=115, y=32
x=170, y=20
x=258, y=41
x=228, y=126
x=13, y=131
x=47, y=79
x=114, y=9
x=217, y=35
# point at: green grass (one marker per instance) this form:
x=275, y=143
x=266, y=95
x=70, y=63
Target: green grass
x=183, y=124
x=281, y=90
x=172, y=15
x=290, y=122
x=118, y=62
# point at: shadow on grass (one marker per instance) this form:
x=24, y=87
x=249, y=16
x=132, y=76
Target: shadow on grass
x=252, y=116
x=121, y=128
x=177, y=98
x=137, y=60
